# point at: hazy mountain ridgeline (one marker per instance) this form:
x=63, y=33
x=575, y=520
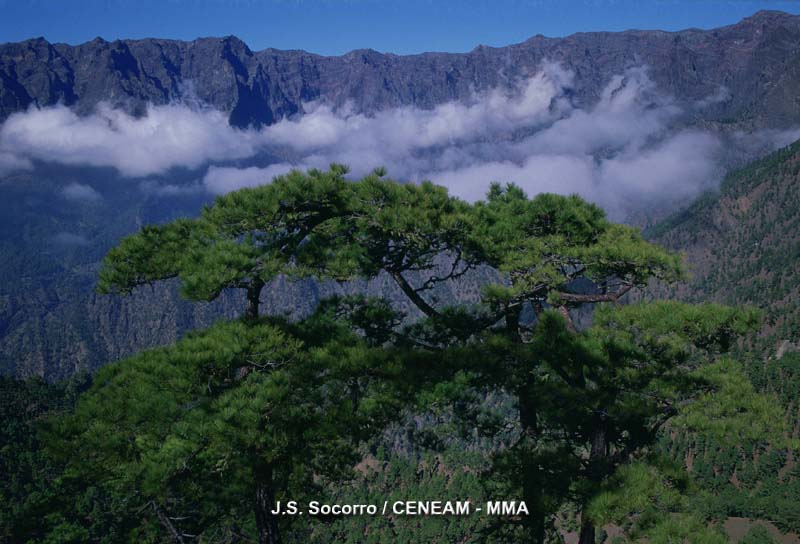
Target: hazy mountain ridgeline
x=756, y=61
x=58, y=220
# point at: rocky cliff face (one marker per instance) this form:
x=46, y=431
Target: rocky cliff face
x=756, y=62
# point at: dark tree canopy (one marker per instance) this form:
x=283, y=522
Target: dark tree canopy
x=244, y=412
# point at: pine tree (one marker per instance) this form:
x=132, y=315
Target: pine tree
x=590, y=402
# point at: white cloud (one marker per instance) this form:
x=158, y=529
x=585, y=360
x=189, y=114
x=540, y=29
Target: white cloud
x=10, y=162
x=629, y=114
x=409, y=141
x=622, y=152
x=220, y=180
x=167, y=136
x=723, y=94
x=179, y=136
x=681, y=167
x=153, y=187
x=81, y=192
x=562, y=174
x=765, y=139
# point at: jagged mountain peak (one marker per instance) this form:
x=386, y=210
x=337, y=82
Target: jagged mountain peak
x=260, y=87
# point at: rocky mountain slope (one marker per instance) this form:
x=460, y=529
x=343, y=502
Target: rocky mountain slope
x=742, y=244
x=755, y=62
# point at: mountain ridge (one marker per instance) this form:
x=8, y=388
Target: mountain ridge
x=759, y=15
x=262, y=87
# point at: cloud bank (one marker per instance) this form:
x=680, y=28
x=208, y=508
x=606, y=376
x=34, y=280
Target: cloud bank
x=168, y=136
x=623, y=153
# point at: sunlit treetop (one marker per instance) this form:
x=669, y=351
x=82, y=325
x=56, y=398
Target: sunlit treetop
x=319, y=224
x=544, y=244
x=313, y=223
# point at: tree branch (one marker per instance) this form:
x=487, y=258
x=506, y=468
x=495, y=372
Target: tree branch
x=453, y=274
x=568, y=318
x=413, y=295
x=600, y=297
x=165, y=521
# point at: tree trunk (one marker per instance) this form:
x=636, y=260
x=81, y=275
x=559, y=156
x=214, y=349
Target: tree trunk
x=532, y=485
x=253, y=298
x=596, y=471
x=266, y=521
x=168, y=525
x=587, y=532
x=532, y=493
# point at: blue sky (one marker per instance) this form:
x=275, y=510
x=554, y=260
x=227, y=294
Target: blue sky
x=333, y=27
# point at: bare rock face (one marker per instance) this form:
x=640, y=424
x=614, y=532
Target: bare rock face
x=757, y=61
x=786, y=347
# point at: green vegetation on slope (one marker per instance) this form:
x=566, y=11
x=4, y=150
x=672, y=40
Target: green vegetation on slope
x=742, y=244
